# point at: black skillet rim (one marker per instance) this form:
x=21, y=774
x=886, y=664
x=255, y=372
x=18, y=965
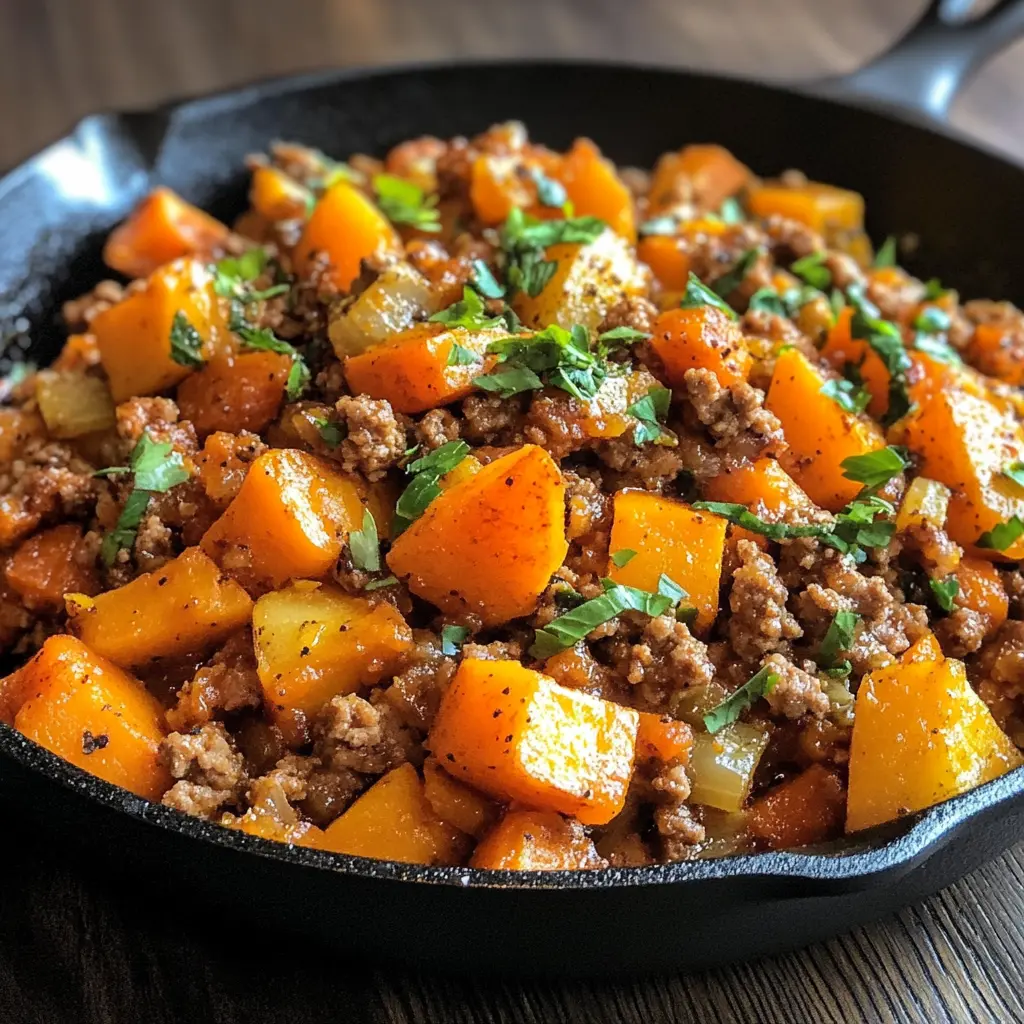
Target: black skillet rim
x=894, y=847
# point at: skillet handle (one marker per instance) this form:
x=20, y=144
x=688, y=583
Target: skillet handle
x=928, y=67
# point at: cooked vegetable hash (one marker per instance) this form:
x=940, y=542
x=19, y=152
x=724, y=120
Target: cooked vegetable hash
x=495, y=506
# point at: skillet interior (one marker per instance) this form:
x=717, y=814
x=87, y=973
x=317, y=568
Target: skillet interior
x=964, y=206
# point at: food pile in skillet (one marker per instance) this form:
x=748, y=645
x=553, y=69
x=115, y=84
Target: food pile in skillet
x=489, y=505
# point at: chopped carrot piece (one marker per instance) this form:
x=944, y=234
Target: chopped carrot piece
x=668, y=259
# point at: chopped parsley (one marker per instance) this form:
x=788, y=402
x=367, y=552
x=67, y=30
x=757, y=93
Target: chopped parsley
x=459, y=355
x=838, y=637
x=937, y=347
x=650, y=410
x=1014, y=471
x=932, y=320
x=730, y=709
x=452, y=639
x=364, y=545
x=234, y=274
x=550, y=193
x=945, y=592
x=886, y=255
x=563, y=632
x=886, y=340
x=1002, y=535
x=730, y=212
x=767, y=300
x=699, y=294
x=663, y=225
x=524, y=239
x=387, y=581
x=186, y=342
x=556, y=357
x=332, y=434
x=425, y=487
x=485, y=281
x=263, y=339
x=847, y=395
x=875, y=469
x=156, y=468
x=623, y=557
x=402, y=202
x=933, y=289
x=812, y=270
x=727, y=283
x=468, y=312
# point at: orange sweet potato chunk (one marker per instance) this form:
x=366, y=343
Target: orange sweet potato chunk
x=235, y=392
x=536, y=841
x=267, y=826
x=456, y=803
x=763, y=484
x=134, y=336
x=49, y=565
x=663, y=738
x=275, y=196
x=91, y=713
x=671, y=538
x=806, y=809
x=964, y=441
x=825, y=208
x=290, y=518
x=184, y=606
x=393, y=820
x=702, y=338
x=668, y=259
x=921, y=735
x=162, y=228
x=996, y=350
x=596, y=190
x=16, y=427
x=819, y=432
x=347, y=227
x=842, y=349
x=925, y=648
x=982, y=590
x=411, y=369
x=313, y=642
x=488, y=545
x=708, y=173
x=517, y=735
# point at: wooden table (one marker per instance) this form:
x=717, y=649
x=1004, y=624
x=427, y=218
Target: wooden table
x=74, y=945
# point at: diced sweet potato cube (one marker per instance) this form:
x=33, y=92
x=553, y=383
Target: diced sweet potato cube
x=669, y=260
x=393, y=820
x=290, y=519
x=91, y=713
x=663, y=738
x=162, y=228
x=49, y=565
x=708, y=174
x=275, y=196
x=805, y=809
x=497, y=184
x=964, y=441
x=596, y=190
x=235, y=392
x=824, y=208
x=488, y=545
x=925, y=648
x=266, y=826
x=842, y=349
x=347, y=227
x=701, y=338
x=412, y=370
x=998, y=350
x=819, y=432
x=134, y=336
x=671, y=538
x=16, y=427
x=982, y=590
x=763, y=484
x=313, y=642
x=517, y=735
x=536, y=841
x=184, y=606
x=456, y=803
x=921, y=735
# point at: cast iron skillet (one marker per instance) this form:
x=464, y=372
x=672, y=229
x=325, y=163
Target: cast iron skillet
x=966, y=206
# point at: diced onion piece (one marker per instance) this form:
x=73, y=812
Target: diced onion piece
x=399, y=296
x=926, y=501
x=693, y=703
x=722, y=766
x=725, y=832
x=73, y=404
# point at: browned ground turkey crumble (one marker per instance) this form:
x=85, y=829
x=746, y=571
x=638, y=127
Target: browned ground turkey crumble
x=230, y=759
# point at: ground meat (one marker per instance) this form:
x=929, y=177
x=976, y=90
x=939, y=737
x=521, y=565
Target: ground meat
x=48, y=478
x=896, y=298
x=374, y=440
x=328, y=794
x=490, y=420
x=157, y=417
x=997, y=673
x=887, y=625
x=415, y=693
x=961, y=632
x=844, y=269
x=352, y=733
x=790, y=240
x=650, y=467
x=227, y=682
x=286, y=784
x=79, y=313
x=1013, y=584
x=154, y=544
x=735, y=416
x=211, y=772
x=939, y=555
x=632, y=311
x=760, y=622
x=436, y=428
x=555, y=422
x=667, y=659
x=797, y=692
x=679, y=831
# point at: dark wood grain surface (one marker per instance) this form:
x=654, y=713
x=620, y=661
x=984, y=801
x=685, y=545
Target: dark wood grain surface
x=77, y=942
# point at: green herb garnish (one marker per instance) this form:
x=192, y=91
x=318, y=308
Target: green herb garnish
x=1014, y=471
x=1002, y=535
x=756, y=687
x=767, y=300
x=364, y=545
x=663, y=225
x=485, y=281
x=839, y=637
x=468, y=312
x=332, y=434
x=623, y=557
x=698, y=294
x=945, y=592
x=727, y=283
x=186, y=342
x=875, y=469
x=886, y=255
x=812, y=270
x=650, y=410
x=264, y=339
x=550, y=193
x=524, y=239
x=847, y=395
x=452, y=639
x=459, y=355
x=402, y=202
x=424, y=486
x=387, y=581
x=730, y=211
